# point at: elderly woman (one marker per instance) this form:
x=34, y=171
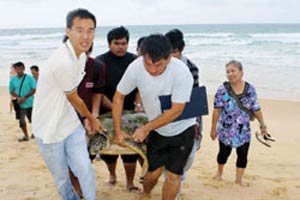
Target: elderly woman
x=231, y=121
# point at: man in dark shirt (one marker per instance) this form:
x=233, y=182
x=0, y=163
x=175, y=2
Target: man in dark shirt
x=92, y=86
x=34, y=69
x=116, y=61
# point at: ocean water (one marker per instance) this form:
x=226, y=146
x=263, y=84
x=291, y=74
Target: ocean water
x=270, y=53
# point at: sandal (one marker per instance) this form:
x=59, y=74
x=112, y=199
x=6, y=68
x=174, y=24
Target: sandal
x=134, y=189
x=262, y=139
x=112, y=183
x=23, y=139
x=269, y=137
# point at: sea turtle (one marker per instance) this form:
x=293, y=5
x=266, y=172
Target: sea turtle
x=102, y=143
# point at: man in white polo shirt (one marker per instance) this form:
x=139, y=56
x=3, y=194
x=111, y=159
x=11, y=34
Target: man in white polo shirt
x=59, y=133
x=169, y=142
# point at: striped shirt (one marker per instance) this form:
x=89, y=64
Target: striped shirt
x=193, y=69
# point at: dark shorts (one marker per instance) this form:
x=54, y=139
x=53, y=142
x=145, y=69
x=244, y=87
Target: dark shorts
x=170, y=152
x=16, y=108
x=113, y=158
x=24, y=112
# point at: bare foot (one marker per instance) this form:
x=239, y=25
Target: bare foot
x=112, y=181
x=134, y=189
x=243, y=184
x=218, y=177
x=145, y=196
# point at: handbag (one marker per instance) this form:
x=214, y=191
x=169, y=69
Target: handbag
x=239, y=103
x=15, y=101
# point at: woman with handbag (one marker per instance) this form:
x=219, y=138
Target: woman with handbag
x=235, y=104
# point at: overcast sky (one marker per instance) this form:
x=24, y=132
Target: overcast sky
x=51, y=13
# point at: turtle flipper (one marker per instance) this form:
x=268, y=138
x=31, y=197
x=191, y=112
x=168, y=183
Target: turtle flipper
x=139, y=149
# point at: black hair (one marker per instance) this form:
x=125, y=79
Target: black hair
x=34, y=67
x=156, y=46
x=18, y=64
x=82, y=14
x=235, y=63
x=118, y=33
x=139, y=42
x=175, y=37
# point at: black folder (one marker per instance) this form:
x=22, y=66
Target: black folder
x=196, y=107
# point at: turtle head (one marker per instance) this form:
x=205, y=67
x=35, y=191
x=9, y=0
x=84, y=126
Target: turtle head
x=97, y=143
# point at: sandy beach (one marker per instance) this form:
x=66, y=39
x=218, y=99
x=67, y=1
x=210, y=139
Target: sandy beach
x=273, y=173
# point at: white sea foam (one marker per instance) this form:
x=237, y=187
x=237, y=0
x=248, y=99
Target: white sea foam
x=288, y=38
x=209, y=35
x=271, y=59
x=14, y=37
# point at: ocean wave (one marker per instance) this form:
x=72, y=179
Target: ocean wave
x=282, y=35
x=224, y=38
x=210, y=35
x=31, y=36
x=243, y=41
x=218, y=41
x=284, y=38
x=274, y=42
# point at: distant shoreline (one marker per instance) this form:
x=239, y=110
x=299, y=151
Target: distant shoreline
x=3, y=88
x=149, y=25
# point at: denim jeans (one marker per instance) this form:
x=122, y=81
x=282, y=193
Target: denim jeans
x=71, y=152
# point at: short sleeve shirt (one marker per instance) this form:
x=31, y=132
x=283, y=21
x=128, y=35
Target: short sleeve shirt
x=176, y=81
x=233, y=126
x=93, y=81
x=54, y=118
x=29, y=84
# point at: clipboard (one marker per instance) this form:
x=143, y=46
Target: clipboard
x=197, y=106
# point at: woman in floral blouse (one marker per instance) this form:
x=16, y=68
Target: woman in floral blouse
x=231, y=124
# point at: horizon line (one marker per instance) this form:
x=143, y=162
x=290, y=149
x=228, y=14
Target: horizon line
x=187, y=24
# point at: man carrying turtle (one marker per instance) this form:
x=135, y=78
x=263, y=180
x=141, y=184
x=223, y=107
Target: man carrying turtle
x=59, y=134
x=169, y=142
x=116, y=61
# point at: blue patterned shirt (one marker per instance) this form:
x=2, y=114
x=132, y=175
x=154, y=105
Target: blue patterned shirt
x=233, y=126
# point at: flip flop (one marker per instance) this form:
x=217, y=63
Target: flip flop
x=134, y=189
x=269, y=137
x=261, y=139
x=112, y=183
x=23, y=139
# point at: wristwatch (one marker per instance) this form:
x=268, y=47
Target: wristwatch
x=138, y=104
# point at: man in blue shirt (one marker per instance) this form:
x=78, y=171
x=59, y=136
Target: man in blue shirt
x=22, y=87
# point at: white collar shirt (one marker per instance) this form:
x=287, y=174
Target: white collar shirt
x=54, y=118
